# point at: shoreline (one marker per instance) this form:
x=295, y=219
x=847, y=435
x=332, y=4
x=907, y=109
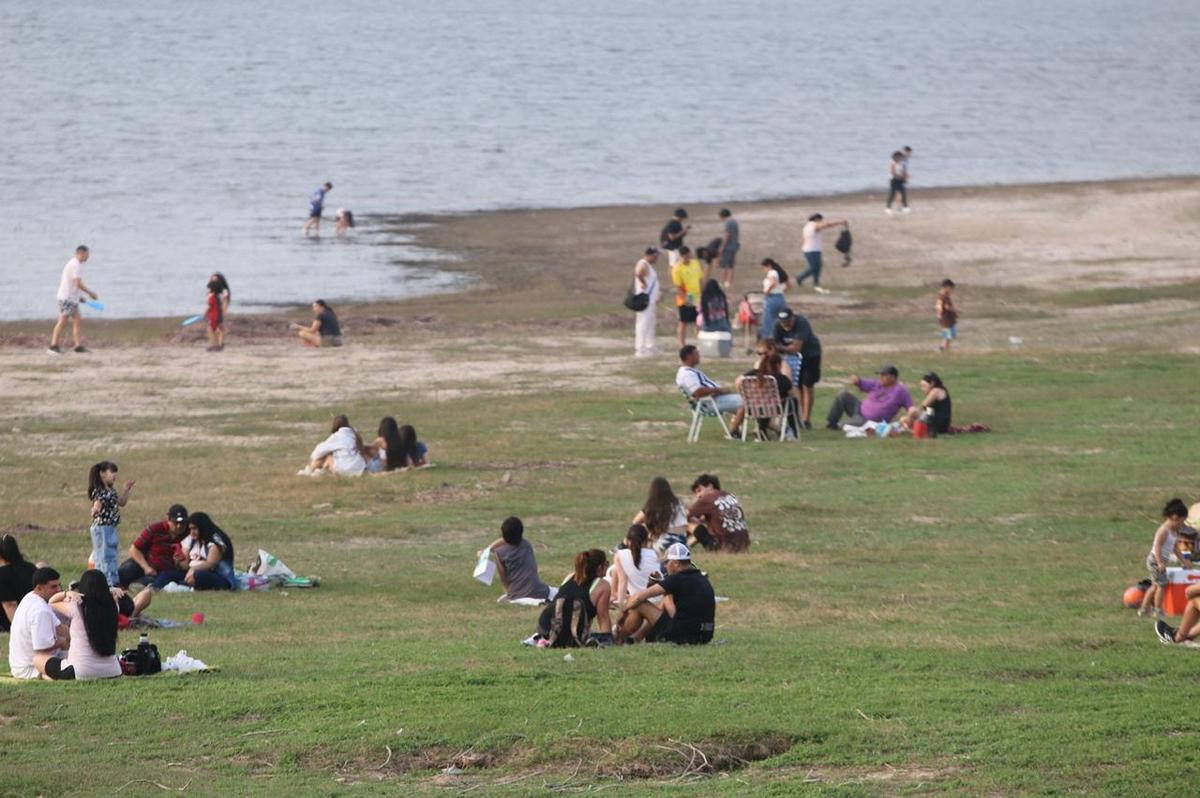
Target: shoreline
x=572, y=262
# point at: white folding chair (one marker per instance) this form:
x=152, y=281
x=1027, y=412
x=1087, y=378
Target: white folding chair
x=702, y=407
x=762, y=401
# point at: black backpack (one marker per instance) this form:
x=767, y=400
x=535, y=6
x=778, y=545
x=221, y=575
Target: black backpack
x=844, y=242
x=637, y=302
x=568, y=625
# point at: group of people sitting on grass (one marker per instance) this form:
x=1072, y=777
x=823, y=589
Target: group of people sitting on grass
x=649, y=591
x=886, y=408
x=395, y=448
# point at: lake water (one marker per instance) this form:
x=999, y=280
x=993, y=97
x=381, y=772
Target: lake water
x=177, y=139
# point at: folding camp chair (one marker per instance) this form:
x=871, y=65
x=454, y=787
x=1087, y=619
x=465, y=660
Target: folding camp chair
x=704, y=406
x=761, y=397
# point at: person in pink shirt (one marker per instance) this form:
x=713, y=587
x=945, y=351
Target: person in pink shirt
x=884, y=398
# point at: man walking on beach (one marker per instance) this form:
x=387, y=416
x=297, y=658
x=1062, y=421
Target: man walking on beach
x=316, y=205
x=729, y=247
x=672, y=235
x=70, y=292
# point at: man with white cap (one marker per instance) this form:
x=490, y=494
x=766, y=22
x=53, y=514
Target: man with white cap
x=688, y=607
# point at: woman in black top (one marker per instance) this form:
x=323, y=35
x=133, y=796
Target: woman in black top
x=587, y=586
x=934, y=409
x=16, y=579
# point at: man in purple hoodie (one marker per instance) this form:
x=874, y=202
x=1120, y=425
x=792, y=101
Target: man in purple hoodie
x=884, y=398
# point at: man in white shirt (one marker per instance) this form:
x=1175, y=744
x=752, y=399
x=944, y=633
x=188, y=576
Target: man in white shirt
x=698, y=385
x=70, y=291
x=38, y=634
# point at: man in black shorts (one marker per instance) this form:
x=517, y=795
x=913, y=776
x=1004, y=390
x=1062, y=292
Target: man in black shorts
x=686, y=615
x=801, y=349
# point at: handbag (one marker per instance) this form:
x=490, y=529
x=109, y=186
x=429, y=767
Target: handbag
x=637, y=302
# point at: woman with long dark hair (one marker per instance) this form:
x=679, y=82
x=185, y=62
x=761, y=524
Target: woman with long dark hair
x=934, y=410
x=770, y=364
x=92, y=612
x=106, y=515
x=340, y=453
x=16, y=579
x=395, y=449
x=664, y=517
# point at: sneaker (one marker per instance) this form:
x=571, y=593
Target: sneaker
x=305, y=472
x=81, y=349
x=820, y=290
x=806, y=424
x=1166, y=634
x=832, y=426
x=906, y=209
x=54, y=350
x=543, y=643
x=532, y=640
x=502, y=598
x=1190, y=643
x=889, y=211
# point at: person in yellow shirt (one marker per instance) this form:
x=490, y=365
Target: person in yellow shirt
x=686, y=275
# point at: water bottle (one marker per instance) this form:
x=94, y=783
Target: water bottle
x=143, y=649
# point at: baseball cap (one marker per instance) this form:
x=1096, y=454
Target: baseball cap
x=651, y=251
x=786, y=314
x=678, y=551
x=177, y=513
x=890, y=370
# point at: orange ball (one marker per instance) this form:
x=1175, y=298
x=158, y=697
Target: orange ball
x=1134, y=596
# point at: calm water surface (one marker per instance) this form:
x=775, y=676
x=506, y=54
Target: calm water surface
x=181, y=138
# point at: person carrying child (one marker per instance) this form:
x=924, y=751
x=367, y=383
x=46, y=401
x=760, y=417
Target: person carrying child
x=106, y=515
x=947, y=316
x=1173, y=537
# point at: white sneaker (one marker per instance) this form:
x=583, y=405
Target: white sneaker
x=305, y=472
x=889, y=211
x=906, y=209
x=820, y=290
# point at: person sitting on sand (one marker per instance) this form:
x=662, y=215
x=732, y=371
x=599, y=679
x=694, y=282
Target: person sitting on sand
x=204, y=560
x=91, y=610
x=16, y=579
x=716, y=518
x=341, y=453
x=588, y=587
x=343, y=221
x=688, y=611
x=515, y=564
x=884, y=398
x=325, y=330
x=933, y=411
x=395, y=449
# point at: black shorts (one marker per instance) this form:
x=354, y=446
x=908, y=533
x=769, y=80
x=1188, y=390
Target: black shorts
x=56, y=671
x=661, y=633
x=687, y=314
x=810, y=371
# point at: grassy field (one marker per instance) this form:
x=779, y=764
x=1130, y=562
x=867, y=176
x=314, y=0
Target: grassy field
x=914, y=618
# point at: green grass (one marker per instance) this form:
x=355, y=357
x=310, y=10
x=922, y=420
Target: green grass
x=916, y=617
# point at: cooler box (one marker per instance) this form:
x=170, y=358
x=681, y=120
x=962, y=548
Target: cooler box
x=715, y=344
x=1178, y=580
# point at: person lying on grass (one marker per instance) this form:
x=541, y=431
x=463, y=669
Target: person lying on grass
x=587, y=591
x=395, y=448
x=688, y=610
x=340, y=453
x=1170, y=539
x=515, y=564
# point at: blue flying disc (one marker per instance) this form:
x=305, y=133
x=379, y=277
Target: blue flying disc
x=192, y=319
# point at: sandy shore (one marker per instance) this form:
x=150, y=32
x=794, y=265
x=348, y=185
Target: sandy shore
x=1081, y=266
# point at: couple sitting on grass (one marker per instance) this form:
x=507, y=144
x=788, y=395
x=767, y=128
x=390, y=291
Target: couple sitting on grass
x=189, y=550
x=62, y=635
x=887, y=409
x=395, y=448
